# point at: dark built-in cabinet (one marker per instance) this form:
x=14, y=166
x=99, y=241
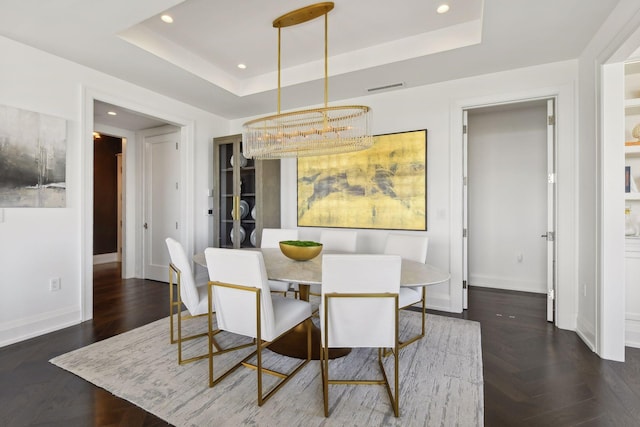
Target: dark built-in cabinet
x=246, y=195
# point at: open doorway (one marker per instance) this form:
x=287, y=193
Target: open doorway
x=96, y=117
x=509, y=195
x=114, y=123
x=119, y=134
x=107, y=202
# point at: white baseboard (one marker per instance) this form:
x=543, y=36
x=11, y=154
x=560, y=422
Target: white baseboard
x=508, y=283
x=440, y=302
x=586, y=332
x=40, y=324
x=632, y=330
x=106, y=258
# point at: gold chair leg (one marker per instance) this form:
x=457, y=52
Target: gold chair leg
x=324, y=359
x=415, y=338
x=324, y=366
x=175, y=306
x=172, y=269
x=424, y=308
x=286, y=377
x=259, y=346
x=259, y=370
x=182, y=339
x=258, y=366
x=394, y=395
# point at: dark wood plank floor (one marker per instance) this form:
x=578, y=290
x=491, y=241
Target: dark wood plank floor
x=538, y=375
x=34, y=392
x=535, y=374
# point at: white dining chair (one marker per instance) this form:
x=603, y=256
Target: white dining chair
x=339, y=240
x=359, y=309
x=193, y=295
x=412, y=247
x=271, y=238
x=244, y=306
x=336, y=240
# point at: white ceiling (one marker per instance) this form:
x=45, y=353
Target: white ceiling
x=103, y=113
x=372, y=43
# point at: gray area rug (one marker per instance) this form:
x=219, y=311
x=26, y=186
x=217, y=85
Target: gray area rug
x=440, y=380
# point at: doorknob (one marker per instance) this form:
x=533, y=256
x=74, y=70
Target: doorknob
x=145, y=226
x=544, y=235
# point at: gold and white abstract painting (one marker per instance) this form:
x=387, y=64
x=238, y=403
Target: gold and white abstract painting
x=383, y=187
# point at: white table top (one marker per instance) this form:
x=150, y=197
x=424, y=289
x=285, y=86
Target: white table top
x=279, y=267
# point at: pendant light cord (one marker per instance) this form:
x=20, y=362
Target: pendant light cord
x=326, y=62
x=279, y=48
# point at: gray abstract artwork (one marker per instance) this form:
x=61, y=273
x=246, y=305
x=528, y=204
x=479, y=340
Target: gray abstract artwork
x=32, y=159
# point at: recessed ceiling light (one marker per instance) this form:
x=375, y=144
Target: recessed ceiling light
x=443, y=8
x=242, y=66
x=167, y=18
x=112, y=113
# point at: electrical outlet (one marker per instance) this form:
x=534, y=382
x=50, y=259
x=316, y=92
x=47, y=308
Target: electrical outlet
x=54, y=284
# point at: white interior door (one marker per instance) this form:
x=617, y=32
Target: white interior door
x=162, y=202
x=465, y=207
x=551, y=227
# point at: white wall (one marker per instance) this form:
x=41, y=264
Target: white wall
x=438, y=108
x=507, y=187
x=39, y=244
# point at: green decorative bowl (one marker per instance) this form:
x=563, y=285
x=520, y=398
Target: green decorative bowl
x=300, y=250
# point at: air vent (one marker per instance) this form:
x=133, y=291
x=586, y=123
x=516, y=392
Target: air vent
x=386, y=87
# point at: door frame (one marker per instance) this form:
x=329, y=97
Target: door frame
x=550, y=214
x=133, y=186
x=566, y=194
x=119, y=205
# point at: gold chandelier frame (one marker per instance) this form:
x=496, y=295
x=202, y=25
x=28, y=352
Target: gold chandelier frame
x=310, y=132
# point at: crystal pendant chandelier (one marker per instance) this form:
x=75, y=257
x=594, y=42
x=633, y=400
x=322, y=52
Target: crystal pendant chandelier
x=312, y=132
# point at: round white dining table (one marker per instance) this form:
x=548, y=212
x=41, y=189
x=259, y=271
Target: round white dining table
x=284, y=269
x=306, y=273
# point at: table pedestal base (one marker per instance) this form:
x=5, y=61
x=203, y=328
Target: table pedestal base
x=294, y=344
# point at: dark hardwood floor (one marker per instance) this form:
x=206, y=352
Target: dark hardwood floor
x=539, y=375
x=534, y=374
x=34, y=392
